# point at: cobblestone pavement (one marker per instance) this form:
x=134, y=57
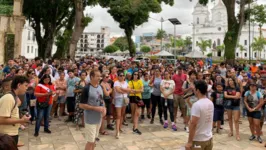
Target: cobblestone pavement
x=155, y=137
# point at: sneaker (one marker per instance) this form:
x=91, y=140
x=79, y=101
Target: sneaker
x=165, y=125
x=259, y=139
x=136, y=131
x=174, y=127
x=264, y=122
x=152, y=121
x=47, y=131
x=109, y=127
x=252, y=137
x=161, y=122
x=125, y=123
x=142, y=117
x=187, y=129
x=149, y=116
x=36, y=134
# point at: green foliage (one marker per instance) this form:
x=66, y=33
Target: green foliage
x=6, y=9
x=258, y=44
x=209, y=55
x=160, y=34
x=188, y=41
x=9, y=47
x=110, y=49
x=204, y=44
x=145, y=49
x=121, y=43
x=48, y=16
x=86, y=20
x=241, y=48
x=220, y=48
x=132, y=13
x=258, y=15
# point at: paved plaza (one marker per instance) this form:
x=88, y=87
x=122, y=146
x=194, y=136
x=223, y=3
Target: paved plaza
x=65, y=137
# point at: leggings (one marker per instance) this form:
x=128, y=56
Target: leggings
x=170, y=105
x=156, y=100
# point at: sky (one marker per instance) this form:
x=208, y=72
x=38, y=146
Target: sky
x=182, y=10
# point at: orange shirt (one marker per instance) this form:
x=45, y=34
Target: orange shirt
x=254, y=69
x=39, y=89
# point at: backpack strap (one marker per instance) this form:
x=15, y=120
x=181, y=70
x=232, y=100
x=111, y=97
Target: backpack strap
x=15, y=105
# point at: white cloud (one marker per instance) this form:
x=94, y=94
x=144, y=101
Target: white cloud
x=182, y=10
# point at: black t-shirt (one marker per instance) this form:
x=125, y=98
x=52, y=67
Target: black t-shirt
x=218, y=99
x=232, y=91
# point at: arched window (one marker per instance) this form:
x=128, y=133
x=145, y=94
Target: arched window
x=197, y=20
x=218, y=42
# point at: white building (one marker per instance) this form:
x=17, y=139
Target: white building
x=93, y=43
x=29, y=46
x=213, y=26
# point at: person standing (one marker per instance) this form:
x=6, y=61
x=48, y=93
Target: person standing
x=167, y=89
x=146, y=96
x=9, y=111
x=200, y=128
x=61, y=86
x=253, y=101
x=179, y=79
x=71, y=85
x=93, y=105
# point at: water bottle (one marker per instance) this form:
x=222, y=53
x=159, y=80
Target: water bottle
x=165, y=102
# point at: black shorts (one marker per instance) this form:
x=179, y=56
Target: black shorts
x=15, y=138
x=108, y=106
x=218, y=114
x=70, y=104
x=147, y=103
x=254, y=114
x=132, y=99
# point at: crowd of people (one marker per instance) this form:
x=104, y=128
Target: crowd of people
x=100, y=94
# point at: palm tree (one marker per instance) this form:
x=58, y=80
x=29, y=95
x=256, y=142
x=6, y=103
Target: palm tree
x=241, y=49
x=203, y=45
x=188, y=42
x=160, y=34
x=258, y=45
x=220, y=48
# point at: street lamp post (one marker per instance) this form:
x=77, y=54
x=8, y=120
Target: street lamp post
x=175, y=22
x=162, y=20
x=249, y=46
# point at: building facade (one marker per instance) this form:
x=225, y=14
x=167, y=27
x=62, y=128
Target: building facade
x=29, y=46
x=93, y=43
x=213, y=26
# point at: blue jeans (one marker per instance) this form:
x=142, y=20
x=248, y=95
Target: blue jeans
x=32, y=110
x=42, y=113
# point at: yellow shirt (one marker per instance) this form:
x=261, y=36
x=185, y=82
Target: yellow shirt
x=7, y=103
x=137, y=86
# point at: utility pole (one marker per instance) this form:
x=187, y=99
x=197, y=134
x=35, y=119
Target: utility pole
x=249, y=36
x=162, y=31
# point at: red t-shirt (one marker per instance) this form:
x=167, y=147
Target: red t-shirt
x=34, y=66
x=113, y=77
x=39, y=89
x=179, y=80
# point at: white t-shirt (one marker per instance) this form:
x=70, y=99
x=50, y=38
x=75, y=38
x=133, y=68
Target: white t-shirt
x=203, y=109
x=168, y=86
x=119, y=84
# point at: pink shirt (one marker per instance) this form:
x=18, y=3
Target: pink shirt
x=61, y=84
x=179, y=80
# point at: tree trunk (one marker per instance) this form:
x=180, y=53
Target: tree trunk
x=131, y=49
x=234, y=29
x=78, y=28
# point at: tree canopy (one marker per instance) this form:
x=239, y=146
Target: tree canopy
x=161, y=34
x=121, y=43
x=258, y=15
x=203, y=45
x=132, y=13
x=110, y=49
x=258, y=44
x=145, y=49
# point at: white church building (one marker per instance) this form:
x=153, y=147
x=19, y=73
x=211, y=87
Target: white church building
x=213, y=26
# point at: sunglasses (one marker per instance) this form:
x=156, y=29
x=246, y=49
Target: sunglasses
x=121, y=75
x=136, y=74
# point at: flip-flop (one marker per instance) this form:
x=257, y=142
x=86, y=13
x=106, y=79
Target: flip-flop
x=104, y=133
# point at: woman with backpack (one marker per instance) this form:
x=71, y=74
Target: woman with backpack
x=254, y=101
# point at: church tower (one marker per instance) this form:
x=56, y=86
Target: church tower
x=200, y=15
x=219, y=14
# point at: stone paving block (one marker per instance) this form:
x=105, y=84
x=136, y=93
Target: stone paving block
x=42, y=147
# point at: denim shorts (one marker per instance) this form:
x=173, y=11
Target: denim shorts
x=254, y=115
x=119, y=102
x=232, y=108
x=61, y=99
